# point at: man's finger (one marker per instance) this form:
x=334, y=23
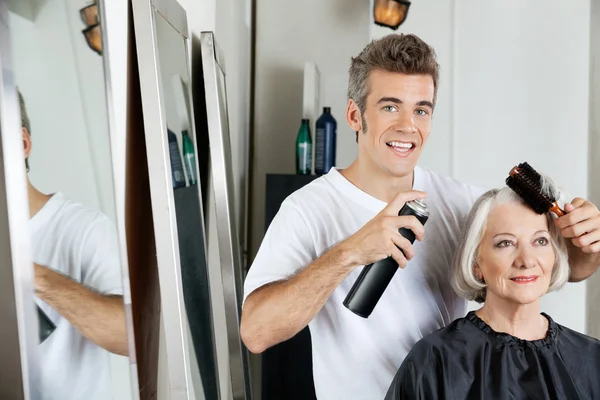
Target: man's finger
x=410, y=222
x=578, y=202
x=579, y=214
x=404, y=245
x=399, y=258
x=579, y=229
x=587, y=239
x=592, y=248
x=402, y=198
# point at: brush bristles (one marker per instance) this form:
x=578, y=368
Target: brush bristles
x=527, y=183
x=528, y=171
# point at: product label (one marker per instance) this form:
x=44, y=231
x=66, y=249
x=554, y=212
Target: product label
x=304, y=157
x=319, y=149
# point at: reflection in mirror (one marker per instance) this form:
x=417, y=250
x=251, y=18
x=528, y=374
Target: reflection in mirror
x=83, y=347
x=173, y=67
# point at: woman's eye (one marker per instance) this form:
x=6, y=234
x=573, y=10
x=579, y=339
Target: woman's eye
x=504, y=243
x=542, y=241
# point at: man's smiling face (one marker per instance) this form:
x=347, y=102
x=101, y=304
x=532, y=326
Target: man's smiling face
x=397, y=117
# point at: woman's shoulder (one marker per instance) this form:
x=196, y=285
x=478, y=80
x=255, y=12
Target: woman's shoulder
x=569, y=337
x=420, y=372
x=581, y=356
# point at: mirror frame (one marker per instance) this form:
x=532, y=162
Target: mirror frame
x=18, y=330
x=211, y=63
x=174, y=315
x=114, y=21
x=17, y=308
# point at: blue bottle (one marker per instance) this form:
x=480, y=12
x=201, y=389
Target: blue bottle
x=177, y=173
x=325, y=142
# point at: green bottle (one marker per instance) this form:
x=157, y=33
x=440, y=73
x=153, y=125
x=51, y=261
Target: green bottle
x=189, y=158
x=304, y=149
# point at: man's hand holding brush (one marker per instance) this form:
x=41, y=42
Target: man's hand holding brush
x=579, y=222
x=581, y=226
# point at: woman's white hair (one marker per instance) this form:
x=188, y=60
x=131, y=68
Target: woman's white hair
x=464, y=281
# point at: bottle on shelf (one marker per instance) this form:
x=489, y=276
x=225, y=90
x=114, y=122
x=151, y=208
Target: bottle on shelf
x=325, y=142
x=304, y=149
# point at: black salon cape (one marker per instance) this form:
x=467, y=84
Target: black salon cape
x=469, y=360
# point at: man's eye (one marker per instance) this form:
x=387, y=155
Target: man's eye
x=389, y=108
x=422, y=112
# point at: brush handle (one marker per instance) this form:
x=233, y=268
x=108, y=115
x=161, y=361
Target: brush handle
x=556, y=210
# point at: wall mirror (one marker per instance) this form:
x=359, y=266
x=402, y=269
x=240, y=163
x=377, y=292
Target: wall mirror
x=212, y=112
x=162, y=43
x=81, y=299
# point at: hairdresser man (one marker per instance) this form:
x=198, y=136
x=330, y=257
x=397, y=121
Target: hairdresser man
x=314, y=248
x=78, y=285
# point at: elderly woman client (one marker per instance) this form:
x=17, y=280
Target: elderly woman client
x=509, y=257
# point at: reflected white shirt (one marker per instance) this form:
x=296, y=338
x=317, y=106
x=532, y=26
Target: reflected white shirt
x=82, y=244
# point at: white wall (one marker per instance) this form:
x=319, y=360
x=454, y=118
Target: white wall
x=62, y=81
x=514, y=88
x=93, y=103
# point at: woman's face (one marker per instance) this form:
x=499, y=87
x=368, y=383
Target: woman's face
x=516, y=256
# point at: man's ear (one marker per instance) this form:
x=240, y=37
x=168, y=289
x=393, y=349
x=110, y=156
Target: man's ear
x=26, y=142
x=353, y=116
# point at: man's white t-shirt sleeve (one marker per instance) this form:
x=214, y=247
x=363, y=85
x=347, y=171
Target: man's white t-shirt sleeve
x=100, y=261
x=287, y=248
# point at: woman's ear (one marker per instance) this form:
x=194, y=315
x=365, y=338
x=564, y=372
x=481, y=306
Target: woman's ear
x=477, y=272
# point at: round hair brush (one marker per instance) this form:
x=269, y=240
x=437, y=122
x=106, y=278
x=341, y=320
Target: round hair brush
x=527, y=183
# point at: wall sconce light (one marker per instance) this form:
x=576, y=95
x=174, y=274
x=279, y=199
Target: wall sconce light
x=93, y=30
x=89, y=14
x=390, y=13
x=93, y=37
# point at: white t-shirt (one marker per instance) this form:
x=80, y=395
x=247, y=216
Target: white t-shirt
x=82, y=244
x=356, y=358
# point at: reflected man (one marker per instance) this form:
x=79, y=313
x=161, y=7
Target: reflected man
x=78, y=285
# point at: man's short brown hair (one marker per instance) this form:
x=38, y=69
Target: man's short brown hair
x=24, y=117
x=403, y=53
